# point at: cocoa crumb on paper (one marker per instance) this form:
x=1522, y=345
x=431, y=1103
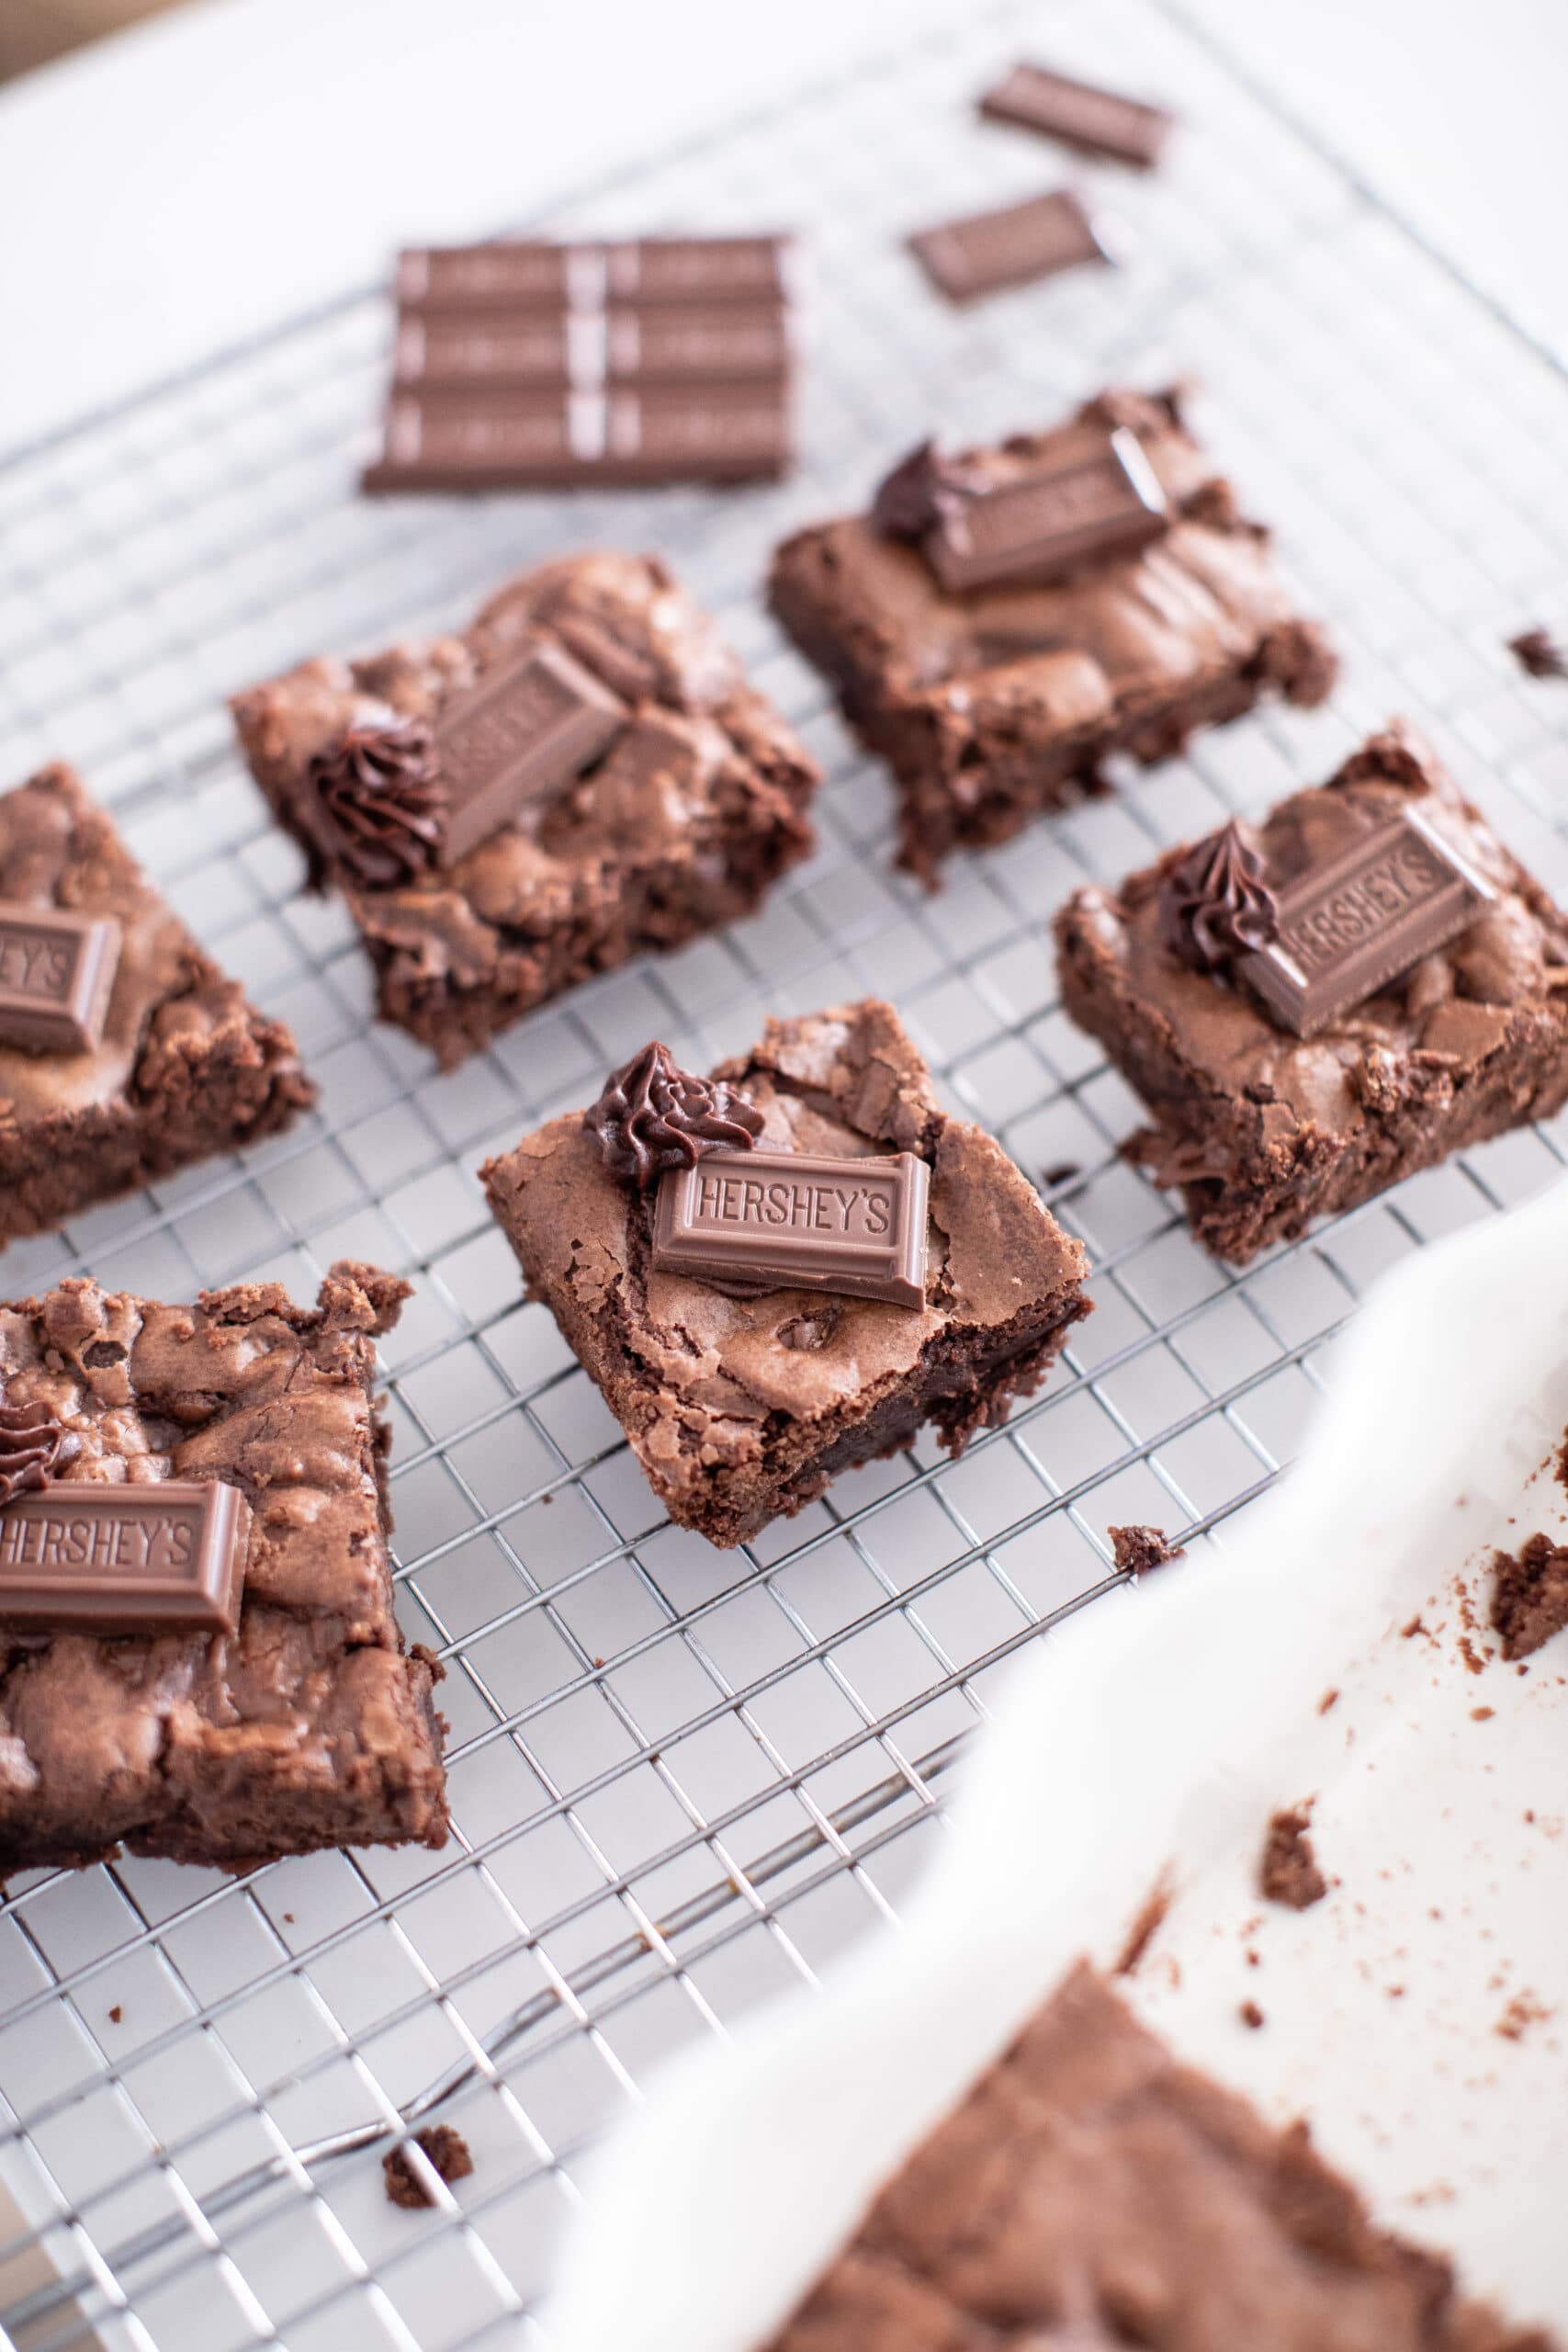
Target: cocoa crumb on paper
x=1144, y=1929
x=1289, y=1872
x=1523, y=2011
x=1529, y=1597
x=1251, y=2014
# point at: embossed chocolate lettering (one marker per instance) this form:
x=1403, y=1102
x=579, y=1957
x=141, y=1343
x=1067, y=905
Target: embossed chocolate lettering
x=166, y=1557
x=57, y=970
x=518, y=736
x=1105, y=500
x=770, y=1220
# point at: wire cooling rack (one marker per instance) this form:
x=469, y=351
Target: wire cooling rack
x=684, y=1780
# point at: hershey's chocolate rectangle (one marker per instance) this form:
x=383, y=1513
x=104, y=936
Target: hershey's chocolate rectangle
x=164, y=1557
x=518, y=735
x=524, y=350
x=532, y=273
x=1362, y=919
x=1105, y=500
x=57, y=970
x=485, y=438
x=1012, y=247
x=754, y=1221
x=1101, y=122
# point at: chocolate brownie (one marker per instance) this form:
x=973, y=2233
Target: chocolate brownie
x=996, y=700
x=308, y=1725
x=124, y=1052
x=582, y=774
x=1264, y=1128
x=1091, y=2191
x=743, y=1407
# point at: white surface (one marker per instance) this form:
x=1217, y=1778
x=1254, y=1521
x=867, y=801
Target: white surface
x=238, y=161
x=1131, y=1743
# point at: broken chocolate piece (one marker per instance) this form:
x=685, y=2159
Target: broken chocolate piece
x=1349, y=927
x=1014, y=246
x=783, y=1220
x=1538, y=654
x=921, y=490
x=57, y=969
x=164, y=1557
x=1100, y=122
x=654, y=1116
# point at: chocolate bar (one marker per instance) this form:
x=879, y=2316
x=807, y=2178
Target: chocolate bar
x=484, y=439
x=1013, y=247
x=658, y=359
x=1351, y=925
x=518, y=736
x=161, y=1557
x=57, y=969
x=1100, y=122
x=755, y=1221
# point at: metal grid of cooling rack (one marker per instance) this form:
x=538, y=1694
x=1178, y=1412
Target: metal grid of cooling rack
x=681, y=1779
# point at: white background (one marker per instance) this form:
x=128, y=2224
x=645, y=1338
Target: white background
x=186, y=185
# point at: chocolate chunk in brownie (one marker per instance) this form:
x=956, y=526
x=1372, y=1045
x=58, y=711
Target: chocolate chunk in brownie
x=1288, y=1872
x=637, y=792
x=1529, y=1598
x=449, y=2158
x=308, y=1725
x=996, y=701
x=1264, y=1129
x=1091, y=2191
x=170, y=1064
x=742, y=1404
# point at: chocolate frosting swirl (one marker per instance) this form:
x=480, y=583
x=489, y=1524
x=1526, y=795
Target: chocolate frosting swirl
x=923, y=489
x=1216, y=904
x=653, y=1116
x=30, y=1438
x=379, y=804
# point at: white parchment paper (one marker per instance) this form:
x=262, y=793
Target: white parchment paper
x=1158, y=1732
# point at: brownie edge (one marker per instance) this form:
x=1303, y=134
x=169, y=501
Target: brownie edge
x=742, y=1409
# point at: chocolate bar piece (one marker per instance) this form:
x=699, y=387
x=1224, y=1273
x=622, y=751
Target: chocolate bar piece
x=1350, y=926
x=517, y=737
x=533, y=273
x=532, y=365
x=782, y=1220
x=1100, y=122
x=57, y=969
x=1013, y=247
x=487, y=439
x=524, y=351
x=161, y=1557
x=742, y=1403
x=1101, y=501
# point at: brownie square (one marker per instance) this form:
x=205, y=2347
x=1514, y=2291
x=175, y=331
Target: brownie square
x=1092, y=2190
x=696, y=806
x=183, y=1066
x=994, y=703
x=741, y=1409
x=309, y=1725
x=1264, y=1130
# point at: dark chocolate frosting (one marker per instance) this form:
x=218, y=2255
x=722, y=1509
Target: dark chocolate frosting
x=653, y=1116
x=30, y=1438
x=1215, y=903
x=379, y=801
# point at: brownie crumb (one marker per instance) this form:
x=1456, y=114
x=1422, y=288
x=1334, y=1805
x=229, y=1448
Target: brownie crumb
x=1524, y=2010
x=1329, y=1698
x=448, y=2154
x=1538, y=654
x=1139, y=1549
x=1143, y=1931
x=1482, y=1714
x=1529, y=1599
x=1062, y=1171
x=1289, y=1872
x=1251, y=2014
x=116, y=2014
